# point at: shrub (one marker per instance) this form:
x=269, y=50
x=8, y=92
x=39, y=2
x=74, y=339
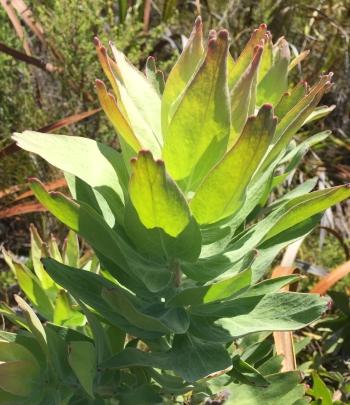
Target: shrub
x=182, y=227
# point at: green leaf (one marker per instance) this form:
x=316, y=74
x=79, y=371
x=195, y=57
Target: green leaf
x=74, y=155
x=267, y=56
x=294, y=119
x=116, y=116
x=174, y=320
x=18, y=378
x=37, y=250
x=85, y=221
x=319, y=112
x=30, y=286
x=267, y=251
x=300, y=208
x=71, y=251
x=26, y=340
x=190, y=358
x=246, y=55
x=82, y=359
x=320, y=390
x=141, y=395
x=101, y=340
x=87, y=287
x=154, y=76
x=11, y=351
x=156, y=198
x=214, y=199
x=213, y=292
x=272, y=312
x=283, y=388
x=246, y=374
x=182, y=73
x=200, y=126
x=139, y=102
x=275, y=82
x=157, y=244
x=219, y=265
x=64, y=314
x=34, y=323
x=290, y=99
x=243, y=97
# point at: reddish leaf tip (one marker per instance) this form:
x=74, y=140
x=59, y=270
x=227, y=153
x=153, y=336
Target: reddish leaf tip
x=144, y=152
x=263, y=26
x=267, y=106
x=212, y=34
x=96, y=41
x=99, y=83
x=198, y=21
x=223, y=34
x=160, y=162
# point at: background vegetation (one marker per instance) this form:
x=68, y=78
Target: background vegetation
x=32, y=98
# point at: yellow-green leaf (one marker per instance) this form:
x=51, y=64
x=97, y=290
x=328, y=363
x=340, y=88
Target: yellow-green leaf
x=156, y=197
x=198, y=133
x=222, y=192
x=182, y=73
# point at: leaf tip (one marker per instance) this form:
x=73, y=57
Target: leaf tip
x=96, y=41
x=223, y=35
x=198, y=22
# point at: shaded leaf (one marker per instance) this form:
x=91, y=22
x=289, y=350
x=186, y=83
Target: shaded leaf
x=82, y=359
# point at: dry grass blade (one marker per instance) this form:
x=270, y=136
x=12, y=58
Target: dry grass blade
x=31, y=60
x=332, y=278
x=64, y=122
x=53, y=185
x=26, y=14
x=21, y=209
x=147, y=14
x=284, y=340
x=17, y=25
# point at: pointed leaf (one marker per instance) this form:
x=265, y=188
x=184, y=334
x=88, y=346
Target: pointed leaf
x=300, y=208
x=154, y=76
x=190, y=358
x=85, y=221
x=213, y=292
x=214, y=200
x=87, y=287
x=164, y=321
x=115, y=115
x=74, y=155
x=82, y=359
x=30, y=286
x=182, y=73
x=275, y=82
x=36, y=252
x=290, y=99
x=64, y=314
x=241, y=97
x=283, y=388
x=246, y=55
x=34, y=323
x=71, y=250
x=198, y=133
x=271, y=312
